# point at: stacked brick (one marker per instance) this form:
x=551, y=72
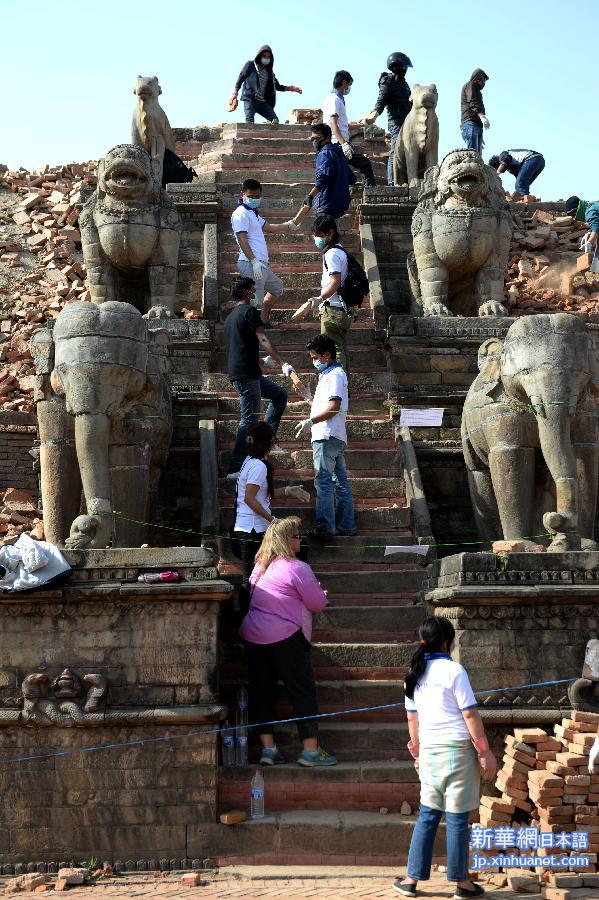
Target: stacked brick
x=547, y=271
x=41, y=266
x=544, y=782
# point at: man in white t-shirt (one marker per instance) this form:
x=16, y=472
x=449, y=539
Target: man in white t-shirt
x=248, y=230
x=334, y=501
x=335, y=319
x=334, y=114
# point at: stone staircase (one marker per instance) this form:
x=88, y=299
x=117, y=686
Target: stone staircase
x=363, y=641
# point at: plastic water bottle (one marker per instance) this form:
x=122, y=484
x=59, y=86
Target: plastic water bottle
x=242, y=706
x=228, y=746
x=241, y=721
x=241, y=749
x=257, y=796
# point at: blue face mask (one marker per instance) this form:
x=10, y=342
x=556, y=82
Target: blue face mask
x=253, y=202
x=347, y=90
x=318, y=365
x=320, y=242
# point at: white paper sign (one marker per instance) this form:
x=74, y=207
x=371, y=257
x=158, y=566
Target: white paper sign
x=420, y=549
x=420, y=417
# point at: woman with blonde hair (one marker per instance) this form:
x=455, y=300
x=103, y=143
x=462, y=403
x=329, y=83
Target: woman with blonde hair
x=276, y=632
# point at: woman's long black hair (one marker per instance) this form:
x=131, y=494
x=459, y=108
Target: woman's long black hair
x=257, y=444
x=434, y=632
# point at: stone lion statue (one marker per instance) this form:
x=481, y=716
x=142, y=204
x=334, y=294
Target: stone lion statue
x=130, y=232
x=417, y=147
x=150, y=127
x=462, y=230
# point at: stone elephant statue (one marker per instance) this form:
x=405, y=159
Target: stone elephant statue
x=530, y=433
x=105, y=422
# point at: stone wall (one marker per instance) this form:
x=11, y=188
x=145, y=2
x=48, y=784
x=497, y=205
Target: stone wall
x=17, y=437
x=155, y=646
x=389, y=211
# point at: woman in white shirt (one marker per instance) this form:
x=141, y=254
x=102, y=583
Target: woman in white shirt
x=450, y=750
x=253, y=495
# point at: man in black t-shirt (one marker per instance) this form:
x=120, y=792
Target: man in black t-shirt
x=244, y=336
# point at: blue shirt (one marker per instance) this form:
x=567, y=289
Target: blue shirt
x=333, y=178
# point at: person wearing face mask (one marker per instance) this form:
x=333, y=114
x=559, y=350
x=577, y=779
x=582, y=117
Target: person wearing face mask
x=248, y=230
x=394, y=93
x=326, y=426
x=473, y=111
x=330, y=195
x=334, y=114
x=260, y=85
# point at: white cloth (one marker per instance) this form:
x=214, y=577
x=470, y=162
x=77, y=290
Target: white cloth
x=331, y=385
x=246, y=220
x=336, y=260
x=440, y=698
x=30, y=564
x=334, y=105
x=253, y=471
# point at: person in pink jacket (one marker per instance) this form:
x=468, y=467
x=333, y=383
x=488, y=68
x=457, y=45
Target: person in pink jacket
x=276, y=631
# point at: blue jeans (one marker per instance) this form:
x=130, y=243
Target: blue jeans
x=423, y=837
x=394, y=132
x=529, y=170
x=473, y=135
x=250, y=391
x=254, y=106
x=332, y=485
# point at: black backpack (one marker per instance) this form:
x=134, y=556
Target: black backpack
x=355, y=286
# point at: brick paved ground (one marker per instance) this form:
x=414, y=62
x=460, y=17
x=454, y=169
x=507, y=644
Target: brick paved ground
x=243, y=883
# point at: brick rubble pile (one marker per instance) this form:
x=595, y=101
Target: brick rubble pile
x=41, y=265
x=544, y=783
x=547, y=271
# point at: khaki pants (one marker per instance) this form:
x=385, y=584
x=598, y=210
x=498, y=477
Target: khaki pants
x=335, y=322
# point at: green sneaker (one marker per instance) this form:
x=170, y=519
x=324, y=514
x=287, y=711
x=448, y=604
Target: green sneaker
x=318, y=757
x=270, y=756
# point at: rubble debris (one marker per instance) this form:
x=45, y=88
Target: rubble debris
x=547, y=272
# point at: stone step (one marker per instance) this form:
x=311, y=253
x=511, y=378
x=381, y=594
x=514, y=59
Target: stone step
x=298, y=242
x=282, y=198
x=365, y=358
x=367, y=406
x=359, y=381
x=388, y=619
x=281, y=314
x=368, y=518
x=366, y=549
x=259, y=144
x=229, y=172
x=382, y=486
x=283, y=260
x=243, y=130
x=354, y=656
x=358, y=429
x=357, y=785
x=356, y=460
x=281, y=159
x=309, y=837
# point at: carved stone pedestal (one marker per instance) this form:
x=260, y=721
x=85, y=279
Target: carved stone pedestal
x=521, y=619
x=107, y=661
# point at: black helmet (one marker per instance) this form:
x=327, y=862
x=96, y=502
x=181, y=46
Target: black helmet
x=399, y=59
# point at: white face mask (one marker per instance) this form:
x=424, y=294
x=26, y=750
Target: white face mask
x=265, y=60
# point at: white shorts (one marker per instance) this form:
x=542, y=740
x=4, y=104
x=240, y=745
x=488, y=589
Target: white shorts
x=270, y=284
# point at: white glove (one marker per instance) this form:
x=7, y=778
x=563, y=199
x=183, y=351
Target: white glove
x=593, y=756
x=269, y=362
x=291, y=225
x=485, y=121
x=315, y=301
x=304, y=425
x=347, y=150
x=258, y=268
x=298, y=492
x=287, y=369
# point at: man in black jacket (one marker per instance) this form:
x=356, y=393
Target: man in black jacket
x=394, y=93
x=260, y=85
x=473, y=111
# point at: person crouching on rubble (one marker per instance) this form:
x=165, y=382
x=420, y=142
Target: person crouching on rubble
x=450, y=752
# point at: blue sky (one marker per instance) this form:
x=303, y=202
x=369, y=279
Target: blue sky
x=69, y=69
